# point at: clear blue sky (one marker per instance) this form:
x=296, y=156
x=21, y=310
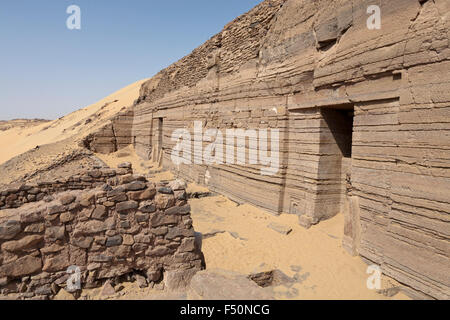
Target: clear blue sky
x=47, y=70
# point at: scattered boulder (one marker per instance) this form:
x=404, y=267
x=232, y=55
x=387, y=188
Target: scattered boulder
x=175, y=280
x=226, y=285
x=107, y=289
x=271, y=278
x=285, y=230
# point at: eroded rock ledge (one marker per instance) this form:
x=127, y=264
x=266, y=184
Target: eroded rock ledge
x=123, y=225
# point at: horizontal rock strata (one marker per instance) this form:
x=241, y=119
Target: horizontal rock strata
x=362, y=114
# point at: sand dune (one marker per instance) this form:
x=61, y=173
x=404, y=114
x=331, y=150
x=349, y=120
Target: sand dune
x=76, y=125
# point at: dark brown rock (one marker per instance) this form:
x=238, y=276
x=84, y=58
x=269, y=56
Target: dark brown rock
x=126, y=206
x=158, y=251
x=21, y=267
x=135, y=186
x=178, y=232
x=125, y=165
x=23, y=244
x=82, y=242
x=67, y=199
x=142, y=217
x=161, y=231
x=55, y=209
x=183, y=210
x=160, y=219
x=147, y=207
x=114, y=241
x=55, y=233
x=99, y=212
x=148, y=194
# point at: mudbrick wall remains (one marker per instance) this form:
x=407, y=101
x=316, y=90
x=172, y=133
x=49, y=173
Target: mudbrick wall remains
x=125, y=225
x=363, y=115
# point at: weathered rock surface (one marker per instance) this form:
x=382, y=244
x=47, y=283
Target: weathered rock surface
x=335, y=90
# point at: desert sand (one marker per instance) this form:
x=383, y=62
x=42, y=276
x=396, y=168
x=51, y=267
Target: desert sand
x=20, y=139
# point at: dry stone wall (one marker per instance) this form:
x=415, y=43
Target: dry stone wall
x=124, y=226
x=16, y=195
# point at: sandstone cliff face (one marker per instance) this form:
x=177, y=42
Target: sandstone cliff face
x=364, y=119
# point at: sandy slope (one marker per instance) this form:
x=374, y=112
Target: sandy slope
x=18, y=140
